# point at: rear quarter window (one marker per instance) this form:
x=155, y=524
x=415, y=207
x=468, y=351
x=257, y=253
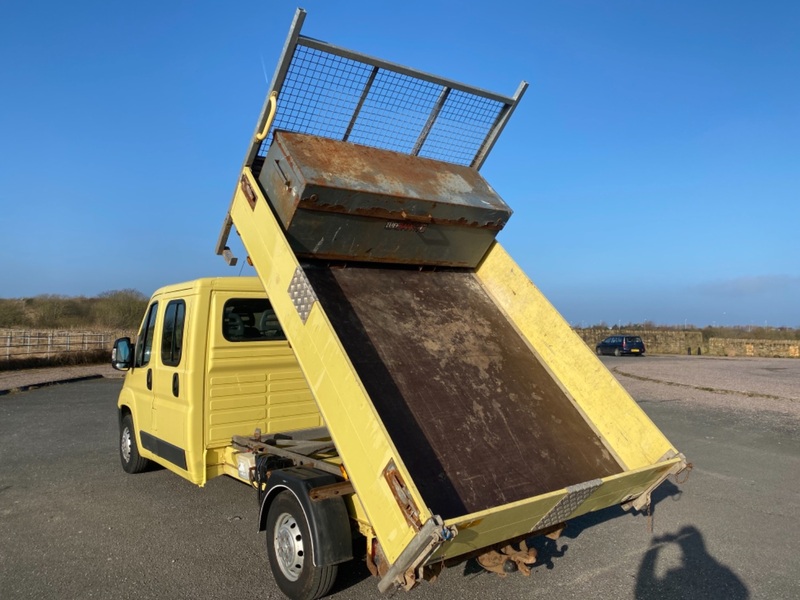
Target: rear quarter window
x=250, y=320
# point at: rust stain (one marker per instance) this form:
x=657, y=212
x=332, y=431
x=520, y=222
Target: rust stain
x=395, y=215
x=355, y=165
x=402, y=495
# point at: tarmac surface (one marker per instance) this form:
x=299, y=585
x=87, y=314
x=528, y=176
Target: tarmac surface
x=73, y=525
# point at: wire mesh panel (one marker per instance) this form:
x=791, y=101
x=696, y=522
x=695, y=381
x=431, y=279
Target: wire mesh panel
x=465, y=118
x=394, y=112
x=347, y=97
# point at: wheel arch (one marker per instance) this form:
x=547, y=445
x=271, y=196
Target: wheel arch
x=328, y=520
x=125, y=406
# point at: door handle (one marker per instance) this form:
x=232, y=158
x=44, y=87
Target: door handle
x=149, y=379
x=175, y=385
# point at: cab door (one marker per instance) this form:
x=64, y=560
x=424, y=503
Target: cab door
x=139, y=379
x=170, y=400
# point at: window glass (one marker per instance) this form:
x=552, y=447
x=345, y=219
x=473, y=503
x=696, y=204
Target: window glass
x=250, y=320
x=172, y=336
x=144, y=345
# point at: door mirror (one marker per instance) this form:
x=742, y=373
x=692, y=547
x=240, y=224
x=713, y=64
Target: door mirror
x=122, y=354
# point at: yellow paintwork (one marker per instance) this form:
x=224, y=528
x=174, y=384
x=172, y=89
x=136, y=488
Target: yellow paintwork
x=627, y=431
x=272, y=100
x=352, y=421
x=495, y=525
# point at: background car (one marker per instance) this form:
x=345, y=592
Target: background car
x=621, y=344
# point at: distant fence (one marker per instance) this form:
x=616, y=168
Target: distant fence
x=27, y=344
x=16, y=345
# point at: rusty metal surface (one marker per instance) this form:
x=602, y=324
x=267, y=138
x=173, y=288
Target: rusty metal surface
x=476, y=418
x=338, y=200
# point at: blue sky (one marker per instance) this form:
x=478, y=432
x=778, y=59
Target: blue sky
x=653, y=165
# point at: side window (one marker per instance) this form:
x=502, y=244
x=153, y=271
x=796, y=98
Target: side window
x=144, y=345
x=172, y=336
x=250, y=320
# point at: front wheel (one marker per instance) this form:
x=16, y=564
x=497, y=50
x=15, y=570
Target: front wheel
x=289, y=551
x=128, y=450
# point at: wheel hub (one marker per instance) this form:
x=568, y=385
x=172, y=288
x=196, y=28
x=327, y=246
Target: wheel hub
x=289, y=546
x=125, y=444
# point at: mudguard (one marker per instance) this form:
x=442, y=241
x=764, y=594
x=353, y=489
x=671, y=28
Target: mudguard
x=328, y=520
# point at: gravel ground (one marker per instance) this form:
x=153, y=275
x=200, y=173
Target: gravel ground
x=738, y=384
x=766, y=386
x=11, y=381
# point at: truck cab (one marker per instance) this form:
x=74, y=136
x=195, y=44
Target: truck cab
x=211, y=361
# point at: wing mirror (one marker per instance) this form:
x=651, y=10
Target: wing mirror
x=122, y=354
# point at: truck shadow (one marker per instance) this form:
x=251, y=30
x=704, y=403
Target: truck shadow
x=352, y=573
x=548, y=551
x=697, y=574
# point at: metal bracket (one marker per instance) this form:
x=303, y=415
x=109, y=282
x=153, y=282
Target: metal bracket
x=643, y=500
x=432, y=534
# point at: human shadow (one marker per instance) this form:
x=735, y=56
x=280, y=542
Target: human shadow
x=700, y=575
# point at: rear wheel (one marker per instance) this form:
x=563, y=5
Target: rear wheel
x=128, y=450
x=289, y=551
x=617, y=352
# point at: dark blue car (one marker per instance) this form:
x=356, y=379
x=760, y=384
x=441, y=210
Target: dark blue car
x=621, y=344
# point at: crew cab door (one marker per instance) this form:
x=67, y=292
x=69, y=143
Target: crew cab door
x=140, y=377
x=170, y=400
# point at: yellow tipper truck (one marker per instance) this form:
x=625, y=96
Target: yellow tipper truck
x=391, y=372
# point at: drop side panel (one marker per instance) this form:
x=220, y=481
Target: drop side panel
x=627, y=430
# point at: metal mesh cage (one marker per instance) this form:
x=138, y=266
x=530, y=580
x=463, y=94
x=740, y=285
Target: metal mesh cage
x=346, y=98
x=336, y=93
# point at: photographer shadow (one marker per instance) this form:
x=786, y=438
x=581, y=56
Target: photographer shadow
x=699, y=575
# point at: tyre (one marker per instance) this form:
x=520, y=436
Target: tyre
x=289, y=551
x=617, y=352
x=128, y=450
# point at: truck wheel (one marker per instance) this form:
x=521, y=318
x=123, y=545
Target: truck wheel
x=289, y=551
x=128, y=450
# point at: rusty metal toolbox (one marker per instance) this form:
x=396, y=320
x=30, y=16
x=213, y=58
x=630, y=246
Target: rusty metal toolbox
x=342, y=201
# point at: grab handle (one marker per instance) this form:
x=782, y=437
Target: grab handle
x=273, y=105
